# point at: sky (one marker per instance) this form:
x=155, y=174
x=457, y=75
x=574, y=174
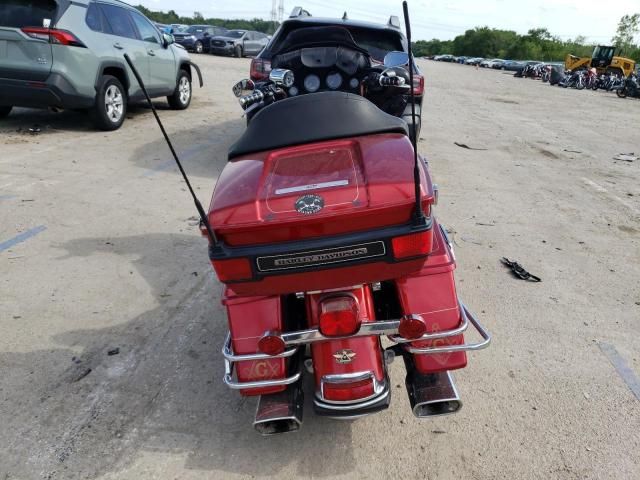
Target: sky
x=442, y=19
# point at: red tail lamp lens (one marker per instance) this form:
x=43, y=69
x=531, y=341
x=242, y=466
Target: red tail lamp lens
x=412, y=328
x=259, y=69
x=53, y=35
x=412, y=245
x=271, y=344
x=418, y=84
x=339, y=316
x=343, y=392
x=232, y=270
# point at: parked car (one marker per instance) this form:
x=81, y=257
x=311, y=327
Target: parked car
x=197, y=38
x=512, y=65
x=69, y=55
x=239, y=43
x=377, y=39
x=489, y=63
x=497, y=63
x=179, y=28
x=473, y=61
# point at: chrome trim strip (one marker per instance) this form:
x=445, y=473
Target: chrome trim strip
x=353, y=406
x=227, y=352
x=458, y=348
x=229, y=382
x=313, y=186
x=378, y=387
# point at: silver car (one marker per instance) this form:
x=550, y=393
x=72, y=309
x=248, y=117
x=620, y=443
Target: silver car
x=69, y=54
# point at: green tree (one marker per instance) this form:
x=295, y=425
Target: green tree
x=628, y=28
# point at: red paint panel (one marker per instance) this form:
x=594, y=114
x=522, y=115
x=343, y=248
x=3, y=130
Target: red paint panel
x=368, y=353
x=432, y=294
x=249, y=318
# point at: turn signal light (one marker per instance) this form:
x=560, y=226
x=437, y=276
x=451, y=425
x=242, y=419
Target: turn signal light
x=413, y=245
x=271, y=344
x=233, y=270
x=339, y=316
x=412, y=327
x=418, y=84
x=343, y=392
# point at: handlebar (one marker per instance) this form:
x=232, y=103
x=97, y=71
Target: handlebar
x=248, y=100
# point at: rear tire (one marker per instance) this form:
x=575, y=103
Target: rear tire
x=110, y=108
x=622, y=92
x=5, y=111
x=237, y=52
x=181, y=98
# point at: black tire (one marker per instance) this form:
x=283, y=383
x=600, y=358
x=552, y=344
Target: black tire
x=106, y=118
x=198, y=47
x=5, y=111
x=237, y=51
x=622, y=92
x=181, y=99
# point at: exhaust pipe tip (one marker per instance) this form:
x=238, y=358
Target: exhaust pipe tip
x=280, y=412
x=432, y=395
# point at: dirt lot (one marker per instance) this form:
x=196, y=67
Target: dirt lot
x=111, y=257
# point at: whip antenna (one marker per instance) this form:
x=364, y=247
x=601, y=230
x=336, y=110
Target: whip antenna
x=203, y=216
x=419, y=214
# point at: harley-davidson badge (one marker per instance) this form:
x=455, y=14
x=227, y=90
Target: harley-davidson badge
x=309, y=204
x=344, y=356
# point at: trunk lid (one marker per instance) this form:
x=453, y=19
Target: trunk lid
x=23, y=57
x=317, y=190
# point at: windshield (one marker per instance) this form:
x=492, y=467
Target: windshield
x=377, y=42
x=27, y=13
x=234, y=33
x=195, y=29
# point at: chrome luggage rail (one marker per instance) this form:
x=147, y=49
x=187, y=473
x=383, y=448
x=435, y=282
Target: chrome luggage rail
x=467, y=317
x=389, y=328
x=230, y=358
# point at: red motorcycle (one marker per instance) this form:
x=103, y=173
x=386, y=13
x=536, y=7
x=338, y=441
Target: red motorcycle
x=324, y=247
x=322, y=228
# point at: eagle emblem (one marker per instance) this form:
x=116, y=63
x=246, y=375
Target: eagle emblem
x=309, y=204
x=344, y=356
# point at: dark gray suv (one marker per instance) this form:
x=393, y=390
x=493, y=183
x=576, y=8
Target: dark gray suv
x=68, y=54
x=239, y=43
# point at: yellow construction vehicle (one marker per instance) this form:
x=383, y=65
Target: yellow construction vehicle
x=602, y=60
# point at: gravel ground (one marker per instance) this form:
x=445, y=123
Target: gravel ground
x=112, y=258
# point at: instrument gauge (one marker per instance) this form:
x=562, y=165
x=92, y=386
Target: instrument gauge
x=293, y=91
x=353, y=83
x=311, y=83
x=334, y=80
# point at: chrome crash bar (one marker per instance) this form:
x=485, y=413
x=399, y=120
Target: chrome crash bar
x=389, y=328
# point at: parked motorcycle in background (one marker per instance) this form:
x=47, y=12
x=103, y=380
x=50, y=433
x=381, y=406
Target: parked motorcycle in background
x=629, y=87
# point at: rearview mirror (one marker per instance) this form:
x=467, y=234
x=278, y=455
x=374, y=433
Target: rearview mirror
x=243, y=87
x=396, y=59
x=167, y=39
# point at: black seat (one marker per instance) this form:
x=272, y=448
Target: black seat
x=314, y=118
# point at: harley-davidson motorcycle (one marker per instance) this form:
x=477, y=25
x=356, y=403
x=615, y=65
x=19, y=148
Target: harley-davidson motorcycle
x=322, y=228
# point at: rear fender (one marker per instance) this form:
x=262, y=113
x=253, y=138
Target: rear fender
x=349, y=356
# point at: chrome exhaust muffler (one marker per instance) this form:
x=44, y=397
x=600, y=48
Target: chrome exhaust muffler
x=432, y=395
x=280, y=412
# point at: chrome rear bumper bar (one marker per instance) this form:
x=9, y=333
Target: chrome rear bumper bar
x=389, y=328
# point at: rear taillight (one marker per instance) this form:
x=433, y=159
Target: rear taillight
x=342, y=392
x=339, y=316
x=233, y=270
x=260, y=69
x=418, y=84
x=413, y=245
x=54, y=35
x=271, y=344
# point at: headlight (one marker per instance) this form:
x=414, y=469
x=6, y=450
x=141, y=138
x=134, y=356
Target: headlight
x=193, y=37
x=312, y=83
x=334, y=80
x=230, y=42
